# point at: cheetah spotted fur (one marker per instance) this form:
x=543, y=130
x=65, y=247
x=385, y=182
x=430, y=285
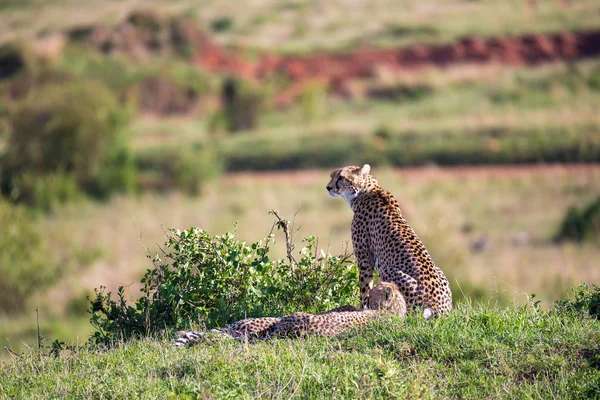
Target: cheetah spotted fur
x=383, y=299
x=383, y=241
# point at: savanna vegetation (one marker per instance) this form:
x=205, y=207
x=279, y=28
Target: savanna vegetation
x=112, y=132
x=308, y=25
x=477, y=351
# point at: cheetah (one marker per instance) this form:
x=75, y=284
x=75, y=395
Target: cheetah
x=383, y=241
x=383, y=299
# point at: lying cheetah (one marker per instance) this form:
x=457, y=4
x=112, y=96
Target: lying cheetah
x=383, y=240
x=383, y=299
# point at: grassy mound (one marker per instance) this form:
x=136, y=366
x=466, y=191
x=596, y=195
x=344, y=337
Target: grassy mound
x=477, y=351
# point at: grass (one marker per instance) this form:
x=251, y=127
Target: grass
x=478, y=351
x=302, y=25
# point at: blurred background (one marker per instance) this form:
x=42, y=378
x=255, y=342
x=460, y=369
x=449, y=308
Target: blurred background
x=121, y=118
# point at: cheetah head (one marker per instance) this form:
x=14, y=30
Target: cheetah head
x=386, y=296
x=347, y=182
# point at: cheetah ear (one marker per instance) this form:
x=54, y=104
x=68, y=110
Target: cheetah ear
x=388, y=292
x=365, y=169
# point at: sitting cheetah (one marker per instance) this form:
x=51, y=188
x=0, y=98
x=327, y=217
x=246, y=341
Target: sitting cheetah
x=383, y=240
x=383, y=299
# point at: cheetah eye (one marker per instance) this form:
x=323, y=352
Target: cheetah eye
x=337, y=181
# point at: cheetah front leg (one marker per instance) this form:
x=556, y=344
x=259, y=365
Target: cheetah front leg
x=365, y=274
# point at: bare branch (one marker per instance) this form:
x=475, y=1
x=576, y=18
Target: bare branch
x=285, y=226
x=12, y=352
x=39, y=337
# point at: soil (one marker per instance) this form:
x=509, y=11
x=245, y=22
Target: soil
x=337, y=71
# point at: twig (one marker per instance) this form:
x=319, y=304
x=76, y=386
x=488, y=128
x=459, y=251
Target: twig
x=12, y=352
x=285, y=226
x=37, y=314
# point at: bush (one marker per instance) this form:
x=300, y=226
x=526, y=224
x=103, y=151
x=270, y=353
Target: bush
x=221, y=24
x=192, y=168
x=26, y=263
x=241, y=105
x=46, y=191
x=14, y=59
x=72, y=130
x=187, y=169
x=586, y=300
x=581, y=225
x=215, y=280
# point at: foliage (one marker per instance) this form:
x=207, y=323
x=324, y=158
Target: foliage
x=585, y=300
x=192, y=168
x=14, y=59
x=215, y=280
x=242, y=104
x=221, y=24
x=27, y=264
x=66, y=135
x=187, y=169
x=581, y=225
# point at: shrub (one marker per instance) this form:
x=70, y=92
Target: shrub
x=221, y=24
x=215, y=280
x=46, y=191
x=26, y=263
x=72, y=130
x=14, y=59
x=585, y=300
x=187, y=169
x=241, y=105
x=581, y=225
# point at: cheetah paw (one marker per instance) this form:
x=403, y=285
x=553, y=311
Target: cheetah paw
x=428, y=313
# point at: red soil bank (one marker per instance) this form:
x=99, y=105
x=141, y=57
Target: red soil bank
x=336, y=70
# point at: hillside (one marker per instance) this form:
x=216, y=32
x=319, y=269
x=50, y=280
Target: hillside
x=120, y=119
x=479, y=351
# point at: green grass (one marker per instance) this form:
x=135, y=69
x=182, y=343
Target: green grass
x=476, y=352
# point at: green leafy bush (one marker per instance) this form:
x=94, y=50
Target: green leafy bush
x=221, y=24
x=585, y=300
x=215, y=280
x=581, y=225
x=187, y=169
x=27, y=264
x=242, y=104
x=65, y=134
